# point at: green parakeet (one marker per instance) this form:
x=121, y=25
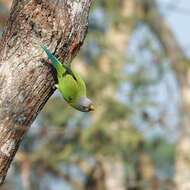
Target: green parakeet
x=70, y=84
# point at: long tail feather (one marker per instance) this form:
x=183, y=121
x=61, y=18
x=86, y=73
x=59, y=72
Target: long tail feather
x=53, y=59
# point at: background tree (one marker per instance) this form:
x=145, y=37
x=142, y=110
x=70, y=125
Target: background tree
x=132, y=64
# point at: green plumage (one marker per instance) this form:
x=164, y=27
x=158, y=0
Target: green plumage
x=53, y=59
x=70, y=84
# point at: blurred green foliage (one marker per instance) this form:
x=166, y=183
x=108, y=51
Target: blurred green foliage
x=63, y=138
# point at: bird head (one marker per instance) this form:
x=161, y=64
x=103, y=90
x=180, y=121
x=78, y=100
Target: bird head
x=84, y=104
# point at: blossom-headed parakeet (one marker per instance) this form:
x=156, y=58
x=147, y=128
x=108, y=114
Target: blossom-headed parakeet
x=70, y=84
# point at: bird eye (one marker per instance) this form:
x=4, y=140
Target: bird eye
x=84, y=108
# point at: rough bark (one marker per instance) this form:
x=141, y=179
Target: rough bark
x=180, y=65
x=26, y=81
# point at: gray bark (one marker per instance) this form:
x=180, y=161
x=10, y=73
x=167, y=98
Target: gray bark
x=26, y=82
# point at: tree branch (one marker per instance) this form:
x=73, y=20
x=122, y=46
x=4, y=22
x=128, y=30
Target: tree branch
x=26, y=82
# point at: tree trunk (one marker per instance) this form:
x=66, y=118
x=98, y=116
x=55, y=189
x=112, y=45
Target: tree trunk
x=26, y=81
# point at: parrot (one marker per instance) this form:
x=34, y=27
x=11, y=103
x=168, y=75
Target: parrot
x=70, y=84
